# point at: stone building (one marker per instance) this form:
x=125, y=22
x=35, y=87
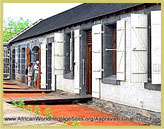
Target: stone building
x=110, y=50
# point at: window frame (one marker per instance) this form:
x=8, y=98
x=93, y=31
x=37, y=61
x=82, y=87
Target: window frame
x=68, y=72
x=109, y=78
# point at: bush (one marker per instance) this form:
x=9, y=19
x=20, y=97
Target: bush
x=21, y=103
x=14, y=103
x=48, y=113
x=29, y=108
x=75, y=123
x=37, y=110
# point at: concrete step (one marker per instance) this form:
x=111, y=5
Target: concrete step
x=51, y=100
x=26, y=91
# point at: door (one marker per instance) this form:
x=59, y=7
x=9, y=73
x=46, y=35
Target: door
x=28, y=60
x=89, y=62
x=39, y=78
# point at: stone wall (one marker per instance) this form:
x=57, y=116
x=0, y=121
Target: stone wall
x=126, y=112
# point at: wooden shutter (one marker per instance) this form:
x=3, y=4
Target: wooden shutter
x=28, y=56
x=53, y=67
x=28, y=60
x=71, y=52
x=96, y=59
x=59, y=53
x=43, y=65
x=96, y=50
x=120, y=50
x=77, y=36
x=156, y=46
x=39, y=78
x=138, y=48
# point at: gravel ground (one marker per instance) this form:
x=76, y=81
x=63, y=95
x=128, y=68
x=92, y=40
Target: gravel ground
x=18, y=113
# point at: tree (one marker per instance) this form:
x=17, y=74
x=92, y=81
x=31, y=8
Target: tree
x=12, y=27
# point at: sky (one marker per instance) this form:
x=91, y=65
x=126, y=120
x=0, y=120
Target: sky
x=34, y=11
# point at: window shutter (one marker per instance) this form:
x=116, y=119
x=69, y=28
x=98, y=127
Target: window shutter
x=71, y=52
x=53, y=67
x=138, y=48
x=43, y=65
x=39, y=78
x=96, y=59
x=120, y=50
x=156, y=46
x=96, y=50
x=59, y=53
x=28, y=56
x=77, y=36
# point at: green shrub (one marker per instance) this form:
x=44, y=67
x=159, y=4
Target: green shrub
x=37, y=110
x=14, y=103
x=48, y=113
x=29, y=108
x=64, y=121
x=75, y=123
x=21, y=103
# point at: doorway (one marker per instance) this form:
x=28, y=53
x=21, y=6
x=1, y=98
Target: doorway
x=36, y=57
x=89, y=61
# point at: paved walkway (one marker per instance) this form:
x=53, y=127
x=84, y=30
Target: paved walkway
x=13, y=112
x=12, y=86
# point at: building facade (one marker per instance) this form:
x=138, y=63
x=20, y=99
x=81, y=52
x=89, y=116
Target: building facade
x=111, y=51
x=6, y=61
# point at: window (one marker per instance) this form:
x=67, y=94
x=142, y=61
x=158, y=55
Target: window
x=109, y=54
x=114, y=49
x=23, y=72
x=19, y=56
x=69, y=55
